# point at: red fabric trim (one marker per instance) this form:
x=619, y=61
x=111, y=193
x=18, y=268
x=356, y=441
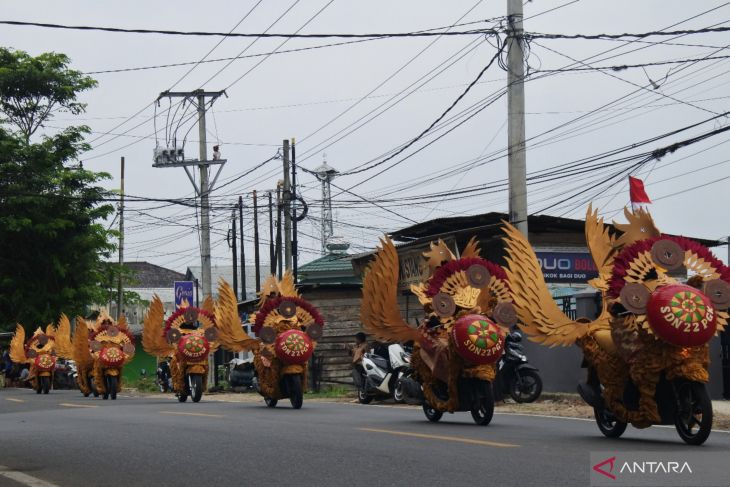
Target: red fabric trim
x=454, y=266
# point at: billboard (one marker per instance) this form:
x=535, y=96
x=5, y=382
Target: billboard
x=184, y=292
x=567, y=267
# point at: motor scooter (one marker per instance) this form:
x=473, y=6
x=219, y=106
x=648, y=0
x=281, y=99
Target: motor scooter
x=381, y=376
x=515, y=375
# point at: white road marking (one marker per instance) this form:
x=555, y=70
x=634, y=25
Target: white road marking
x=13, y=399
x=23, y=478
x=72, y=405
x=206, y=415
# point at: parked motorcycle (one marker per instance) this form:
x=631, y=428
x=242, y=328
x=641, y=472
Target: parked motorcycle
x=379, y=376
x=164, y=376
x=242, y=373
x=515, y=375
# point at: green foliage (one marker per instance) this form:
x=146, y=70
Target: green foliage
x=143, y=384
x=33, y=88
x=52, y=241
x=331, y=392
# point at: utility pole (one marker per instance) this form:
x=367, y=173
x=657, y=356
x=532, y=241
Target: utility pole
x=232, y=237
x=256, y=258
x=286, y=205
x=120, y=294
x=516, y=158
x=177, y=159
x=279, y=256
x=243, y=251
x=295, y=236
x=272, y=253
x=325, y=174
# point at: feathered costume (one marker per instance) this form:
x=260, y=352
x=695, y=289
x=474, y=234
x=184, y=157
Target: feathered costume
x=39, y=352
x=288, y=328
x=100, y=348
x=649, y=324
x=189, y=335
x=467, y=304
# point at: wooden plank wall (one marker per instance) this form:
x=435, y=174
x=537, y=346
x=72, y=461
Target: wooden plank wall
x=340, y=308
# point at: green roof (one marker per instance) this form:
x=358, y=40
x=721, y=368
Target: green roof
x=329, y=269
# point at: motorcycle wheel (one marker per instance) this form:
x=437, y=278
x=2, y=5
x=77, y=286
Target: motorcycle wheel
x=296, y=396
x=608, y=424
x=39, y=387
x=271, y=403
x=528, y=389
x=398, y=395
x=196, y=387
x=484, y=412
x=363, y=397
x=86, y=394
x=431, y=413
x=45, y=384
x=111, y=386
x=182, y=397
x=693, y=420
x=92, y=386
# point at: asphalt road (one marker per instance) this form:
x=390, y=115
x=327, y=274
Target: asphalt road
x=64, y=439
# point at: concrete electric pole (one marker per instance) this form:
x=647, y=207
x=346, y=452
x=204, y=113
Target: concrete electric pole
x=286, y=203
x=173, y=157
x=120, y=288
x=516, y=160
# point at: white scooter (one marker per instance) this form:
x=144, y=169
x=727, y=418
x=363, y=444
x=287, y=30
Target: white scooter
x=379, y=376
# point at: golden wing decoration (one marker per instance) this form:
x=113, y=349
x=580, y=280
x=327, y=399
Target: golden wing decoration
x=17, y=345
x=81, y=353
x=230, y=333
x=64, y=347
x=539, y=315
x=602, y=246
x=122, y=323
x=209, y=305
x=640, y=226
x=379, y=311
x=270, y=287
x=50, y=330
x=152, y=340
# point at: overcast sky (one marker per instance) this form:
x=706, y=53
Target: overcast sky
x=319, y=96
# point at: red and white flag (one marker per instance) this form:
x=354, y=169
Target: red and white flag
x=639, y=198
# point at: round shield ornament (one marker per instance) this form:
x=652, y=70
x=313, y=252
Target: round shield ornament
x=315, y=331
x=443, y=305
x=719, y=293
x=128, y=348
x=31, y=353
x=193, y=347
x=211, y=334
x=190, y=315
x=505, y=314
x=45, y=362
x=682, y=315
x=173, y=335
x=111, y=357
x=668, y=254
x=294, y=347
x=634, y=297
x=43, y=340
x=287, y=309
x=478, y=275
x=112, y=331
x=267, y=334
x=95, y=345
x=478, y=339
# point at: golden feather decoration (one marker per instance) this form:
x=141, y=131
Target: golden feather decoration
x=209, y=305
x=230, y=333
x=269, y=288
x=17, y=345
x=438, y=255
x=600, y=243
x=152, y=340
x=471, y=249
x=64, y=347
x=51, y=330
x=287, y=287
x=81, y=353
x=639, y=227
x=379, y=311
x=539, y=315
x=122, y=323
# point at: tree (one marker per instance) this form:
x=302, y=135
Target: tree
x=52, y=240
x=32, y=89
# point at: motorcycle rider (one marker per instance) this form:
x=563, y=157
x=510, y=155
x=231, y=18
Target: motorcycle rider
x=357, y=350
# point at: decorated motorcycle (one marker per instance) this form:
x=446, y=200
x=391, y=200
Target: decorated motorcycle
x=189, y=335
x=457, y=345
x=100, y=349
x=39, y=352
x=288, y=328
x=647, y=353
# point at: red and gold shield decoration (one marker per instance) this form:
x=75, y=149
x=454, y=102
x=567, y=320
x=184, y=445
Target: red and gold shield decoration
x=45, y=362
x=682, y=315
x=294, y=347
x=478, y=339
x=193, y=347
x=111, y=357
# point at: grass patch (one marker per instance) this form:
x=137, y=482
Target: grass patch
x=332, y=392
x=143, y=384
